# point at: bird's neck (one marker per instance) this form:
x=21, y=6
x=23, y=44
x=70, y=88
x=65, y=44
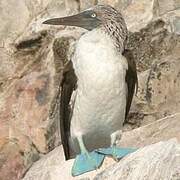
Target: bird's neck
x=118, y=33
x=98, y=37
x=102, y=34
x=98, y=46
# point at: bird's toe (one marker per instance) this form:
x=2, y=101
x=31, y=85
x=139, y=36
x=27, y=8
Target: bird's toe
x=86, y=162
x=116, y=152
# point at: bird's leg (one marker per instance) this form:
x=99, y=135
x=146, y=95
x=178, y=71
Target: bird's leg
x=86, y=161
x=116, y=152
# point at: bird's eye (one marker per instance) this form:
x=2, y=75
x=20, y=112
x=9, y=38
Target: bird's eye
x=93, y=15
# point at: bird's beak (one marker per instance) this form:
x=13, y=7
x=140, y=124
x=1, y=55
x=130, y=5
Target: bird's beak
x=79, y=20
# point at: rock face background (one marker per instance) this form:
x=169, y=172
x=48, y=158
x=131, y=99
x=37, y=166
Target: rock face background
x=31, y=60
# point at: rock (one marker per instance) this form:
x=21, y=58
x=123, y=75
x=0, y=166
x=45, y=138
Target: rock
x=144, y=160
x=151, y=43
x=27, y=84
x=158, y=93
x=109, y=2
x=138, y=14
x=31, y=70
x=173, y=21
x=71, y=7
x=28, y=90
x=160, y=130
x=85, y=4
x=53, y=165
x=166, y=6
x=14, y=161
x=30, y=99
x=157, y=161
x=24, y=121
x=30, y=93
x=11, y=162
x=26, y=95
x=18, y=12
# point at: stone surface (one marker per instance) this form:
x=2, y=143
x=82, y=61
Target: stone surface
x=31, y=56
x=158, y=93
x=11, y=162
x=24, y=116
x=139, y=14
x=25, y=99
x=151, y=43
x=157, y=161
x=53, y=165
x=167, y=154
x=84, y=4
x=27, y=88
x=166, y=6
x=16, y=15
x=162, y=129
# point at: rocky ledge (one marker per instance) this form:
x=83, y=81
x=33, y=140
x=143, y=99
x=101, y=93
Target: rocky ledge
x=154, y=160
x=31, y=61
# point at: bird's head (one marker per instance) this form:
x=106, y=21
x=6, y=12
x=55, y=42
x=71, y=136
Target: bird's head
x=104, y=17
x=95, y=17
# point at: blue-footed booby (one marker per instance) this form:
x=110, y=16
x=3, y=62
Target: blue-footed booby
x=97, y=89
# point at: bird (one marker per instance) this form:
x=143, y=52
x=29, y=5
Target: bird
x=97, y=88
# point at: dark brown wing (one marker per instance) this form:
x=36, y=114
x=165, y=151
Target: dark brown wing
x=68, y=85
x=131, y=79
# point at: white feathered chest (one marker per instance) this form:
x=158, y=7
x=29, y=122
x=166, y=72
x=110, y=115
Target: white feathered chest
x=100, y=103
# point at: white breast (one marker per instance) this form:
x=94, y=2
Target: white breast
x=101, y=95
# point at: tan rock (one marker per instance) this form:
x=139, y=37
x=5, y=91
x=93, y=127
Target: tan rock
x=16, y=15
x=109, y=2
x=160, y=130
x=24, y=108
x=53, y=166
x=166, y=6
x=158, y=93
x=173, y=20
x=136, y=13
x=30, y=77
x=85, y=4
x=12, y=165
x=157, y=161
x=27, y=109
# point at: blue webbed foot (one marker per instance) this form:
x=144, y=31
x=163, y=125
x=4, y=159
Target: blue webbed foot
x=116, y=152
x=86, y=162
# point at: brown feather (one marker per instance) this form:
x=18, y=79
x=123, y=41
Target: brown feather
x=131, y=79
x=68, y=85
